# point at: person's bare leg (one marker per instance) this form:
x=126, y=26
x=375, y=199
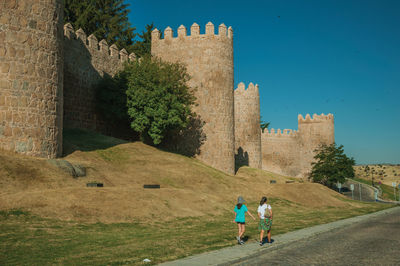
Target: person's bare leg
x=269, y=236
x=243, y=229
x=239, y=230
x=261, y=235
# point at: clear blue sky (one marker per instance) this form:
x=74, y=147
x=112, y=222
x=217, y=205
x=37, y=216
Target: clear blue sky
x=310, y=56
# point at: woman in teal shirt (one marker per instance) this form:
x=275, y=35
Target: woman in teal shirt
x=240, y=219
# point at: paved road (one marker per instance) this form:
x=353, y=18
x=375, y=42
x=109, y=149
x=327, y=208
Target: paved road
x=372, y=242
x=367, y=192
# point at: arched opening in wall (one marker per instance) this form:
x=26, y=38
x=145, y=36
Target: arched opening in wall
x=241, y=159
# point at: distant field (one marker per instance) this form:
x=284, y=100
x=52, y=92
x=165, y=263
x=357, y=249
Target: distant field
x=49, y=217
x=386, y=174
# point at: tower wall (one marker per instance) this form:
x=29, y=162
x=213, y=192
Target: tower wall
x=247, y=126
x=31, y=76
x=313, y=132
x=86, y=62
x=290, y=152
x=209, y=60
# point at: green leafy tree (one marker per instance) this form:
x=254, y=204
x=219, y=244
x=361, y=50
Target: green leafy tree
x=331, y=165
x=159, y=99
x=106, y=19
x=143, y=48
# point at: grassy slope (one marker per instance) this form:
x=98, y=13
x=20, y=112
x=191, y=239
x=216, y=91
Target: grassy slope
x=62, y=221
x=386, y=174
x=387, y=191
x=383, y=176
x=189, y=187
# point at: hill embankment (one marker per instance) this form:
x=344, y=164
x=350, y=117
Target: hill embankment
x=188, y=187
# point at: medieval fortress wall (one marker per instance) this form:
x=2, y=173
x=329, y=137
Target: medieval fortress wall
x=247, y=126
x=209, y=61
x=280, y=151
x=290, y=152
x=86, y=62
x=313, y=132
x=48, y=75
x=31, y=77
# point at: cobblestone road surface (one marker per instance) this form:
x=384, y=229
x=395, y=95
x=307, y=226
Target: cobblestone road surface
x=372, y=242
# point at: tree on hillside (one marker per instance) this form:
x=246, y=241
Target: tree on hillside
x=331, y=165
x=143, y=48
x=106, y=19
x=158, y=98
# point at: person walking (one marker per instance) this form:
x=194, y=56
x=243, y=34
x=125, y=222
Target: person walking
x=265, y=215
x=240, y=211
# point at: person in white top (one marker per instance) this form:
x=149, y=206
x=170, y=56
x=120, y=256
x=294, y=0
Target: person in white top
x=265, y=214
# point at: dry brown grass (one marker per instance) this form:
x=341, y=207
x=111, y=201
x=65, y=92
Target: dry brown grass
x=48, y=217
x=386, y=174
x=188, y=187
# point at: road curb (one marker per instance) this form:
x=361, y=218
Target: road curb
x=237, y=254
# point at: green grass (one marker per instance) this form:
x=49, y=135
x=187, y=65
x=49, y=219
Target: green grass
x=28, y=239
x=387, y=191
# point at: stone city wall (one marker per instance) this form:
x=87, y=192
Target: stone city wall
x=290, y=152
x=31, y=77
x=86, y=62
x=209, y=60
x=280, y=151
x=314, y=132
x=48, y=77
x=247, y=126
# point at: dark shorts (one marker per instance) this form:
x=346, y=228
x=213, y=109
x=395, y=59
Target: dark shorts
x=241, y=222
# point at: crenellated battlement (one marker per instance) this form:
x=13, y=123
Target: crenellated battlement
x=279, y=133
x=223, y=32
x=315, y=119
x=87, y=60
x=208, y=58
x=93, y=45
x=252, y=90
x=292, y=152
x=63, y=68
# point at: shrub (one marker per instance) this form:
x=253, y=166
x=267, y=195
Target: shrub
x=159, y=99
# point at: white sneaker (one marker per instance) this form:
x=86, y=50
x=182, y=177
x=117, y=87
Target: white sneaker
x=238, y=239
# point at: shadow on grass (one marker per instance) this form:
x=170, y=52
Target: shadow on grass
x=85, y=140
x=185, y=142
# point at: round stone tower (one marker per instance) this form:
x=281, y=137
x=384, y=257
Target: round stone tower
x=31, y=76
x=209, y=60
x=312, y=133
x=247, y=126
